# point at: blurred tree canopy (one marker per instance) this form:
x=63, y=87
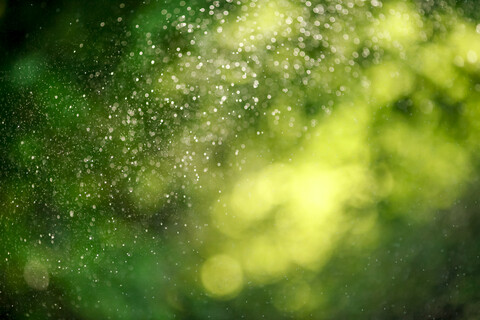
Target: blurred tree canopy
x=234, y=159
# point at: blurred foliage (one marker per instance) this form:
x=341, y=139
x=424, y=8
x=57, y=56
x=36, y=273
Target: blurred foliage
x=235, y=159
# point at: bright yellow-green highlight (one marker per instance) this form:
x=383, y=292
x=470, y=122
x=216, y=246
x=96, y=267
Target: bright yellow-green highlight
x=36, y=275
x=222, y=276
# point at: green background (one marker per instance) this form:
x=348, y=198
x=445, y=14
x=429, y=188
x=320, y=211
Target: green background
x=240, y=159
